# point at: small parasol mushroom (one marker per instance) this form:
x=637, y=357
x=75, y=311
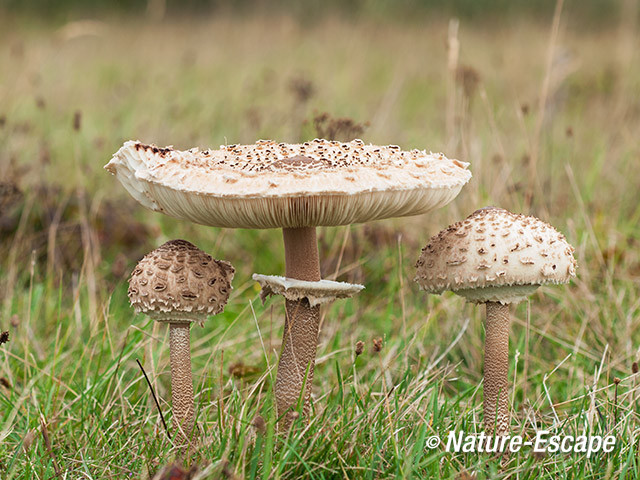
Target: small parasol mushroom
x=180, y=284
x=497, y=258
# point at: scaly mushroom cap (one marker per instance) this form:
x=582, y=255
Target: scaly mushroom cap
x=276, y=185
x=179, y=282
x=495, y=256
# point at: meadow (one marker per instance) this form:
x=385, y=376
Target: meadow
x=548, y=116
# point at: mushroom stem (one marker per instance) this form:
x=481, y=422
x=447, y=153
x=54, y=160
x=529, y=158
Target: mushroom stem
x=181, y=382
x=496, y=369
x=302, y=321
x=301, y=257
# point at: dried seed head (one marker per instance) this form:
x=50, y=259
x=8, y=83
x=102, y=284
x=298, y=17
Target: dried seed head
x=259, y=424
x=539, y=455
x=333, y=128
x=4, y=337
x=175, y=471
x=28, y=439
x=616, y=380
x=302, y=89
x=464, y=475
x=359, y=347
x=469, y=79
x=9, y=196
x=240, y=370
x=634, y=367
x=77, y=120
x=377, y=344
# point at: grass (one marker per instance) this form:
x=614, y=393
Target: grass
x=73, y=401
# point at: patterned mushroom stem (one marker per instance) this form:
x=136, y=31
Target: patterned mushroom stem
x=181, y=382
x=496, y=369
x=300, y=337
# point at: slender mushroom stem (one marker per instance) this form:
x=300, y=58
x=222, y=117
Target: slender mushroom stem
x=181, y=382
x=496, y=369
x=302, y=321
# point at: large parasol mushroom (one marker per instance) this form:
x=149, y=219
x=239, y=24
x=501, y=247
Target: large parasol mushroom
x=295, y=187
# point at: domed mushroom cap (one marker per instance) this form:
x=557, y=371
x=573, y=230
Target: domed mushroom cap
x=495, y=255
x=179, y=282
x=277, y=185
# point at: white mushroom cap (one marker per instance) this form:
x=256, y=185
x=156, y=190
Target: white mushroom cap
x=495, y=256
x=178, y=282
x=276, y=185
x=317, y=293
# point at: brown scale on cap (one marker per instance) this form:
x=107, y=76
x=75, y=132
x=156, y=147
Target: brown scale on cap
x=268, y=155
x=300, y=161
x=178, y=281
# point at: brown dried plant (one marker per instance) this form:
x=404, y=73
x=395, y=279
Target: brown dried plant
x=343, y=129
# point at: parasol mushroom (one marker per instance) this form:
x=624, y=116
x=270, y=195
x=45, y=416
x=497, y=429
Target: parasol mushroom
x=295, y=187
x=180, y=284
x=497, y=258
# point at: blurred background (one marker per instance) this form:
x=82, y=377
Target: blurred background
x=595, y=12
x=542, y=98
x=535, y=95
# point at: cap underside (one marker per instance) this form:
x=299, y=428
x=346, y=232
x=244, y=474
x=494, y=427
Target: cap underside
x=503, y=294
x=305, y=211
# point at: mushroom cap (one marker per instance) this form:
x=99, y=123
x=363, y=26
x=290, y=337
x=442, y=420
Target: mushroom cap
x=178, y=282
x=495, y=256
x=278, y=185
